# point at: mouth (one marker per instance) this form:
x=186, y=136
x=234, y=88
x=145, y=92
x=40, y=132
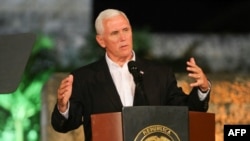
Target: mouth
x=123, y=46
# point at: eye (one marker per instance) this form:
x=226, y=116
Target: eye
x=114, y=33
x=126, y=29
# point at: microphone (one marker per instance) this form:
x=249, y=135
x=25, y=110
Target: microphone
x=137, y=74
x=140, y=97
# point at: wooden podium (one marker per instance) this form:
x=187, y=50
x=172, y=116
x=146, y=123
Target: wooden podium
x=110, y=126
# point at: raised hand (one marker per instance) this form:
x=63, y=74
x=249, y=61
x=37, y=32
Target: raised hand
x=197, y=73
x=64, y=93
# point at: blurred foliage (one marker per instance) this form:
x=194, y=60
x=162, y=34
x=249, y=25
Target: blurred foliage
x=91, y=51
x=142, y=43
x=20, y=110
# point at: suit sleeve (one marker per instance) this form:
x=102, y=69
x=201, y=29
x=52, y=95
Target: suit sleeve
x=195, y=104
x=75, y=119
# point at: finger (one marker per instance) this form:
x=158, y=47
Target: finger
x=66, y=82
x=195, y=69
x=195, y=84
x=65, y=85
x=68, y=79
x=64, y=88
x=192, y=69
x=63, y=97
x=191, y=63
x=194, y=75
x=71, y=78
x=62, y=91
x=192, y=60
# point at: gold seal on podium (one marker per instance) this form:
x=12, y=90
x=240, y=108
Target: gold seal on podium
x=157, y=133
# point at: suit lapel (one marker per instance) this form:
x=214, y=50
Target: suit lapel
x=147, y=82
x=108, y=84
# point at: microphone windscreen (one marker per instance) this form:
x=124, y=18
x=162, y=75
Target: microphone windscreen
x=132, y=66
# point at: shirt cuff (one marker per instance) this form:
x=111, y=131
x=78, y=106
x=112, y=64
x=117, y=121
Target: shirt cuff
x=202, y=95
x=66, y=113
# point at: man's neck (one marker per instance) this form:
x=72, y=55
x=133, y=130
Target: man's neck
x=121, y=61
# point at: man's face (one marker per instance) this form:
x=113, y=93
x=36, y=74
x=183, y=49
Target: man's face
x=116, y=38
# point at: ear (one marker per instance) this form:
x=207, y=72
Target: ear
x=100, y=41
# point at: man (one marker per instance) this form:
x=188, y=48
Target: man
x=107, y=85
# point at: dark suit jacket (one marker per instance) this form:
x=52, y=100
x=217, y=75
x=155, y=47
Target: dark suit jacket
x=94, y=92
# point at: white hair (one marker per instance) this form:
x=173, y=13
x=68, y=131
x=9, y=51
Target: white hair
x=108, y=13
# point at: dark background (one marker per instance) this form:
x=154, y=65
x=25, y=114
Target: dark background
x=183, y=16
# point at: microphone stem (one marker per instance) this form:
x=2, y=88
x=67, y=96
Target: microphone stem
x=140, y=91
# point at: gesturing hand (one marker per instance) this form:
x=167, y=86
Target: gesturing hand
x=196, y=73
x=64, y=93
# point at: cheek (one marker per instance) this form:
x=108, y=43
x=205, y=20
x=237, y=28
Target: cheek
x=111, y=45
x=112, y=42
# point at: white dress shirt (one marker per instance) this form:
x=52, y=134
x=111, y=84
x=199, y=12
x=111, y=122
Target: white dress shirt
x=123, y=80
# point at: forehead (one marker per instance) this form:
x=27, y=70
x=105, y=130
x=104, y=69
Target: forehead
x=117, y=21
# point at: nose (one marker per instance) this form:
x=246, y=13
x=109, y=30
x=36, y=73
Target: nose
x=123, y=36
